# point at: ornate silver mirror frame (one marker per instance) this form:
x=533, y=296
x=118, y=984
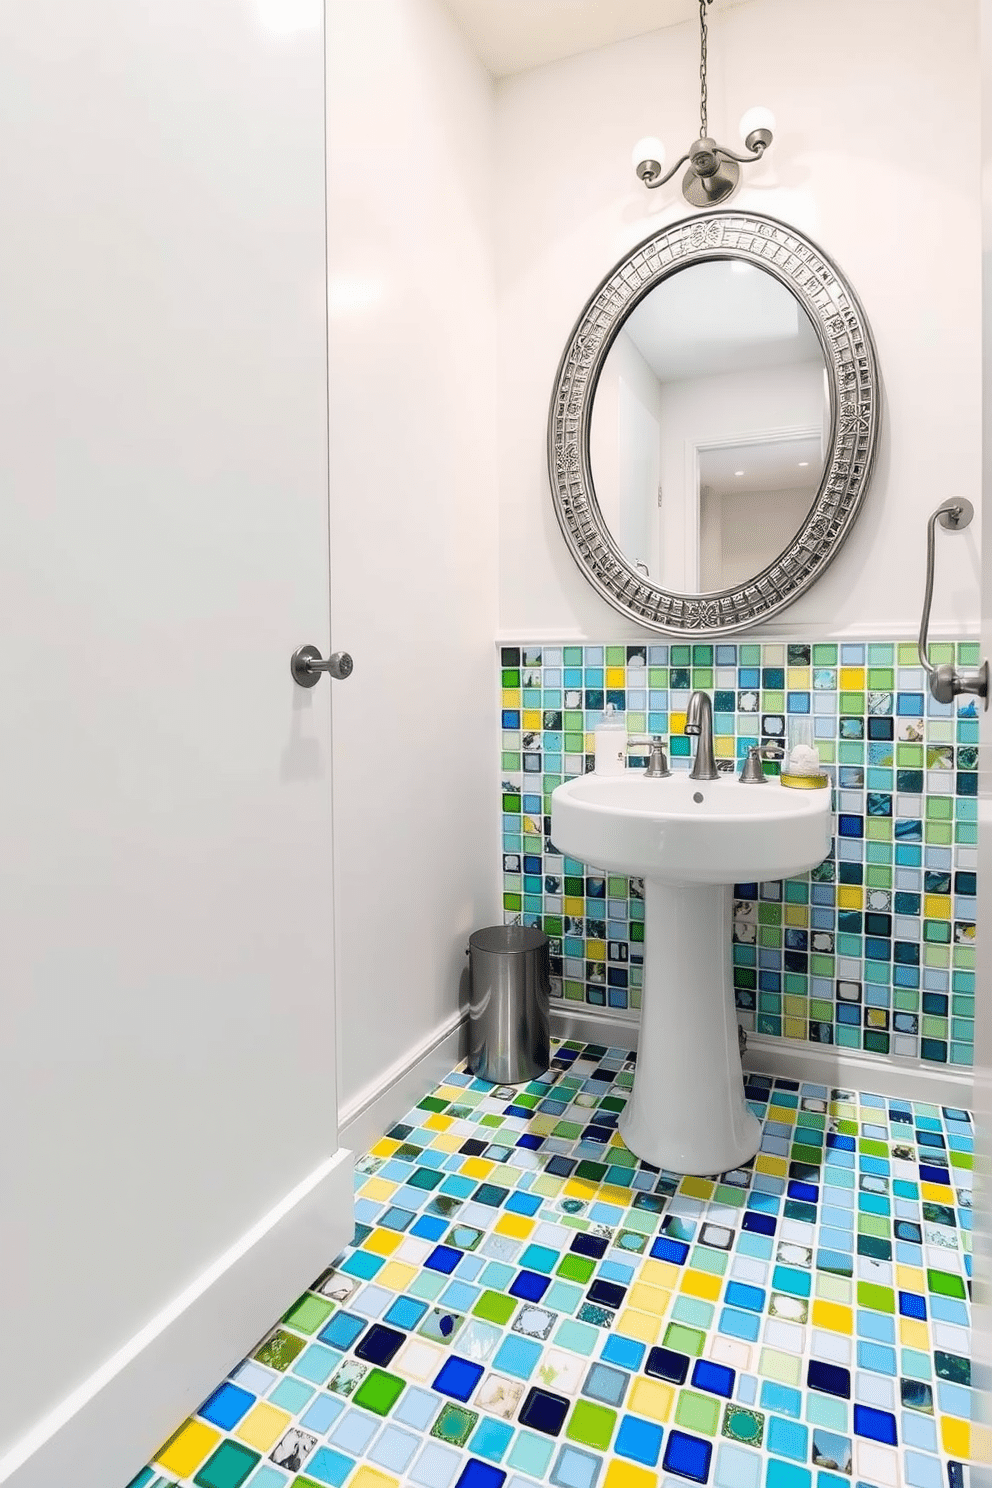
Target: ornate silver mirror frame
x=840, y=323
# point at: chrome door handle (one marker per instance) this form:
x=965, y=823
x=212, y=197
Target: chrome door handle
x=946, y=682
x=306, y=666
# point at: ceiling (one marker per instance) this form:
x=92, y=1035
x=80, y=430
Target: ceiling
x=513, y=35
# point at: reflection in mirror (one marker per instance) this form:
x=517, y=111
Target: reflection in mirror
x=710, y=423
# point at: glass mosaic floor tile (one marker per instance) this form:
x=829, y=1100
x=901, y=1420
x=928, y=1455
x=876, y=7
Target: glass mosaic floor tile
x=802, y=1322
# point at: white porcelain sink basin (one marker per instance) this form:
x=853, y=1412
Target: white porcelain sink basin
x=690, y=841
x=681, y=831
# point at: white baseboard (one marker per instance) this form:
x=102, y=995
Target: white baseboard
x=102, y=1434
x=791, y=1059
x=382, y=1102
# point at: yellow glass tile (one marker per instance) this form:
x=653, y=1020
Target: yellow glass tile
x=845, y=1109
x=852, y=679
x=183, y=1453
x=908, y=1279
x=937, y=906
x=616, y=676
x=934, y=1193
x=697, y=1188
x=676, y=723
x=397, y=1276
x=542, y=1126
x=263, y=1426
x=438, y=1122
x=578, y=1188
x=833, y=1288
x=723, y=747
x=797, y=915
x=596, y=950
x=850, y=896
x=511, y=697
x=626, y=1475
x=612, y=1193
x=914, y=1334
x=382, y=1242
x=955, y=1436
x=378, y=1189
x=533, y=718
x=447, y=1142
x=794, y=1028
x=797, y=679
x=659, y=1273
x=643, y=1326
x=785, y=1115
x=835, y=1319
x=794, y=1006
x=776, y=1167
x=649, y=1298
x=876, y=1018
x=701, y=1284
x=385, y=1148
x=574, y=905
x=371, y=1477
x=651, y=1398
x=476, y=1167
x=517, y=1226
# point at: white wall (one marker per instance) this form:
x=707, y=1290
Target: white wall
x=849, y=84
x=413, y=521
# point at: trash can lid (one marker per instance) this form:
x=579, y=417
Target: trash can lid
x=508, y=939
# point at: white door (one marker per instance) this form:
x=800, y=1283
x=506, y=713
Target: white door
x=167, y=1067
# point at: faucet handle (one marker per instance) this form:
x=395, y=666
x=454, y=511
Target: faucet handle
x=752, y=772
x=657, y=759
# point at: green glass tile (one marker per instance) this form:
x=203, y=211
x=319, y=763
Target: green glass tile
x=495, y=1307
x=705, y=1258
x=939, y=808
x=454, y=1425
x=279, y=1350
x=379, y=1392
x=968, y=653
x=698, y=1412
x=909, y=756
x=591, y=1424
x=680, y=656
x=878, y=1298
x=945, y=1284
x=824, y=655
x=572, y=656
x=742, y=1425
x=568, y=1129
x=572, y=1268
x=881, y=679
x=773, y=702
x=852, y=702
x=228, y=1467
x=684, y=1340
x=308, y=1314
x=749, y=655
x=871, y=1148
x=616, y=656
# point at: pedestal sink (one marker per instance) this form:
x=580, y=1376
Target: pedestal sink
x=690, y=841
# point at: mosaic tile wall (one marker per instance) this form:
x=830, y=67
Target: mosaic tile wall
x=524, y=1302
x=874, y=949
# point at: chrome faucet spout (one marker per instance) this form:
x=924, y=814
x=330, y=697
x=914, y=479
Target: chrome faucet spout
x=699, y=721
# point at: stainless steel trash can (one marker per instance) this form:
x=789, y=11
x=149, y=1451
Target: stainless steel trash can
x=509, y=1011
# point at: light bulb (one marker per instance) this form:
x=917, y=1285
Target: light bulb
x=756, y=118
x=648, y=148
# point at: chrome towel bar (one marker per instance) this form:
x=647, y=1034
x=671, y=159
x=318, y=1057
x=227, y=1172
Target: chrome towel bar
x=946, y=681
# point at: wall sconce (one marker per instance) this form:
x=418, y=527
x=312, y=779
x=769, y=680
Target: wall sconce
x=714, y=171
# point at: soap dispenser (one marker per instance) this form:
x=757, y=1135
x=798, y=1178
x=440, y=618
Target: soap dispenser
x=611, y=743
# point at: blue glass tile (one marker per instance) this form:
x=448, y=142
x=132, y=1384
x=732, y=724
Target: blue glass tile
x=322, y=1414
x=226, y=1406
x=491, y=1439
x=517, y=1356
x=664, y=1249
x=543, y=1411
x=689, y=1456
x=623, y=1351
x=379, y=1345
x=831, y=1379
x=574, y=1468
x=781, y=1398
x=667, y=1364
x=716, y=1378
x=529, y=1286
x=328, y=1466
x=738, y=1294
x=786, y=1475
x=786, y=1438
x=639, y=1440
x=341, y=1330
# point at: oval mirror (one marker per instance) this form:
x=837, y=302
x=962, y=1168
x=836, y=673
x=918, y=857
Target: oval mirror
x=714, y=424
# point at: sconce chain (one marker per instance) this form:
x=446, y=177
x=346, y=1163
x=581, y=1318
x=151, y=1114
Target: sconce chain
x=702, y=68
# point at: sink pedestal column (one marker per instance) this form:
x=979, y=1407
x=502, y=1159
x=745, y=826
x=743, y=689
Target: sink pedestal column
x=687, y=1110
